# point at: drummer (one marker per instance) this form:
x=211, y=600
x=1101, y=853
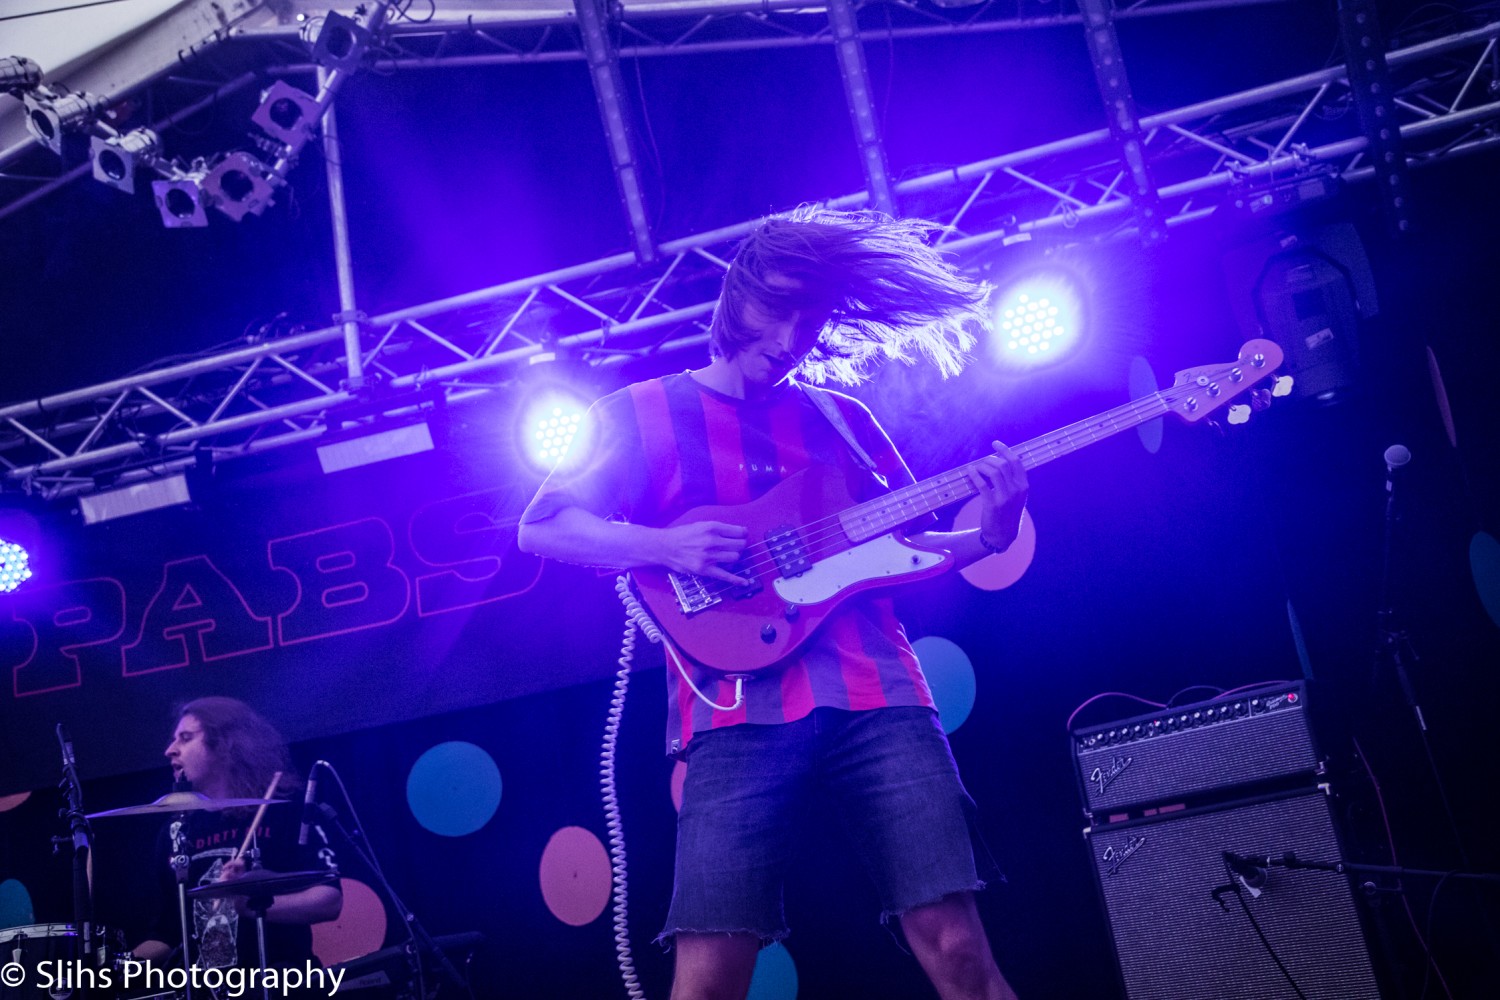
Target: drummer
x=226, y=750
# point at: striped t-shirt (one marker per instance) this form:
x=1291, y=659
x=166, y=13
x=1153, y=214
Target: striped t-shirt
x=659, y=448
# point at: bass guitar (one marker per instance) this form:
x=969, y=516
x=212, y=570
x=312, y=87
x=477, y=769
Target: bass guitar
x=811, y=546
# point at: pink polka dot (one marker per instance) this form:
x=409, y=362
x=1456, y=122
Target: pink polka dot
x=679, y=775
x=575, y=876
x=359, y=929
x=9, y=802
x=998, y=571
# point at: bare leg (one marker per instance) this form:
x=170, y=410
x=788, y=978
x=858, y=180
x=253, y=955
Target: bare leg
x=950, y=942
x=714, y=966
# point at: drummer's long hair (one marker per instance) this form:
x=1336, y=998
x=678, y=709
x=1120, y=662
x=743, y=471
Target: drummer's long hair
x=248, y=747
x=887, y=292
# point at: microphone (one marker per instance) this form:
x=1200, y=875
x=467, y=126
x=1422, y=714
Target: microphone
x=1396, y=457
x=309, y=810
x=1252, y=871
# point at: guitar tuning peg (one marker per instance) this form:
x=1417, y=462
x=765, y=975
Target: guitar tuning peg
x=1283, y=386
x=1260, y=399
x=1238, y=414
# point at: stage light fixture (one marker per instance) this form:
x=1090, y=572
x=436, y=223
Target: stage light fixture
x=1038, y=319
x=338, y=42
x=549, y=427
x=17, y=73
x=394, y=442
x=14, y=570
x=117, y=158
x=237, y=186
x=286, y=113
x=48, y=116
x=180, y=201
x=153, y=494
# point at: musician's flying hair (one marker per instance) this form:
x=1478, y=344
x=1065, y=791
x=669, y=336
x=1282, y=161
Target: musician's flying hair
x=888, y=293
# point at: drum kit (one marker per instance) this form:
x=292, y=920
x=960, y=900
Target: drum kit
x=68, y=964
x=83, y=959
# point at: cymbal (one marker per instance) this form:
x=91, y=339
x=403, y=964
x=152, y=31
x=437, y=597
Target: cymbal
x=176, y=802
x=264, y=882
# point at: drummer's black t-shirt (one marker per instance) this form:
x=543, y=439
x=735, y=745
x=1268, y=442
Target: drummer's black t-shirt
x=225, y=939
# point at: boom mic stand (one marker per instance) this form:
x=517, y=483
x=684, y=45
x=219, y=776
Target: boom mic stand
x=1394, y=645
x=421, y=940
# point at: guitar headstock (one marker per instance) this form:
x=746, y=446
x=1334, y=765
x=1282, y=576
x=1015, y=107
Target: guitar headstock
x=1196, y=393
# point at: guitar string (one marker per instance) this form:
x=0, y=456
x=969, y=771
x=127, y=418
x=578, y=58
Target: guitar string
x=1068, y=439
x=923, y=494
x=1056, y=444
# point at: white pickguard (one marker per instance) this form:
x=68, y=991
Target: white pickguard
x=882, y=557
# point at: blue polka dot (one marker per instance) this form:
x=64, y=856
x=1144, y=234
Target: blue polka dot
x=1484, y=562
x=1142, y=382
x=775, y=976
x=15, y=904
x=950, y=675
x=453, y=789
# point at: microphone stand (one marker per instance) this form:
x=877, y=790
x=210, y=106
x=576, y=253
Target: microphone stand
x=82, y=841
x=355, y=838
x=1393, y=643
x=1290, y=860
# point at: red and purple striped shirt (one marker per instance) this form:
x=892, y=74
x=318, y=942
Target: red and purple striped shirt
x=662, y=447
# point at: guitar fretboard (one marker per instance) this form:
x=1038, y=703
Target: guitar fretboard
x=876, y=517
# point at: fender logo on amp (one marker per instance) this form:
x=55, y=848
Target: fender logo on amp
x=1115, y=859
x=1102, y=778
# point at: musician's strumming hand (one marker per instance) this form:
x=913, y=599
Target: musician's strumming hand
x=1001, y=482
x=705, y=548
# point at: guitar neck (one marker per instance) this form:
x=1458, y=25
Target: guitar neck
x=876, y=517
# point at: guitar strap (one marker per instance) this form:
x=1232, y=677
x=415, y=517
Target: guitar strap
x=824, y=402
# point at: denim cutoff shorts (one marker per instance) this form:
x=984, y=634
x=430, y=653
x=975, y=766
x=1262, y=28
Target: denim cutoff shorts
x=888, y=775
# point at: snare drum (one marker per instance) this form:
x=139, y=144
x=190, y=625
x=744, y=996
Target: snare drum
x=56, y=949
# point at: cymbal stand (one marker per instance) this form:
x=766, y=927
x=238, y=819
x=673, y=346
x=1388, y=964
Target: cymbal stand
x=179, y=863
x=258, y=905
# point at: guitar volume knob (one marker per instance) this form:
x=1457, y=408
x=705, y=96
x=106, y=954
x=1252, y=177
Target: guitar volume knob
x=768, y=634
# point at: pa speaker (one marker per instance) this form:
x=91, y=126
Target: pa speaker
x=1184, y=923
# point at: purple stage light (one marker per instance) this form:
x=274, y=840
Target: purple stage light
x=1039, y=320
x=14, y=570
x=549, y=425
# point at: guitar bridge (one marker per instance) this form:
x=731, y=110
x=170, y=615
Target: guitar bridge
x=698, y=593
x=693, y=593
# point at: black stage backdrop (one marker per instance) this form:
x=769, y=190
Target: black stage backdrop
x=373, y=613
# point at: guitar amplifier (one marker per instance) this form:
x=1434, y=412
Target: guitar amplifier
x=1187, y=927
x=1189, y=750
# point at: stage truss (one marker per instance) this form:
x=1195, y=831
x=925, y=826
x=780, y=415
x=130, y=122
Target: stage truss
x=1228, y=154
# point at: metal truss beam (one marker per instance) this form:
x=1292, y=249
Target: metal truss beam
x=850, y=49
x=1206, y=158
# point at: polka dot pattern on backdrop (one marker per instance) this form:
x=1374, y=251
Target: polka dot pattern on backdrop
x=454, y=788
x=1142, y=382
x=575, y=876
x=950, y=674
x=15, y=904
x=775, y=976
x=359, y=929
x=1484, y=563
x=9, y=802
x=997, y=572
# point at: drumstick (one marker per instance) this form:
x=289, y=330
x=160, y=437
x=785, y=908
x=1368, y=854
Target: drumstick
x=271, y=788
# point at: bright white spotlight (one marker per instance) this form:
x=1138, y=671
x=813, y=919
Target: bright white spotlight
x=549, y=426
x=14, y=570
x=1039, y=319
